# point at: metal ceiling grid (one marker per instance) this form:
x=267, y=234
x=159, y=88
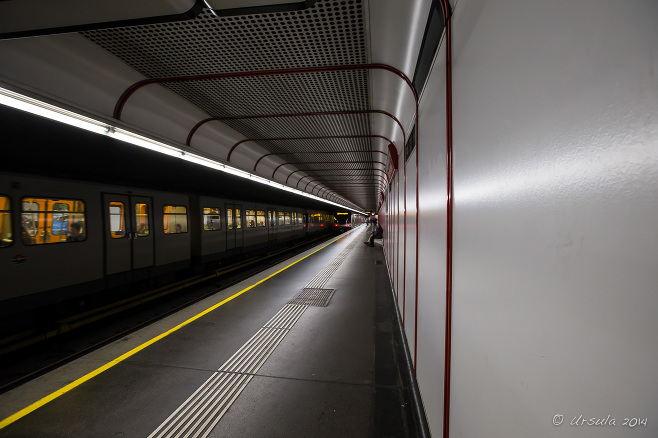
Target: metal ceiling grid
x=329, y=33
x=303, y=126
x=334, y=91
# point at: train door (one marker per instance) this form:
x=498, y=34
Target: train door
x=234, y=237
x=128, y=232
x=271, y=225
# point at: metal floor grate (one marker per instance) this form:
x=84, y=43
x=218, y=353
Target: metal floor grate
x=313, y=297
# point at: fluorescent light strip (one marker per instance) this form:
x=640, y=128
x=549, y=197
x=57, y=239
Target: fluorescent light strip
x=43, y=109
x=144, y=142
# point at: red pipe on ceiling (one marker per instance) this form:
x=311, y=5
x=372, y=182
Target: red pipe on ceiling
x=118, y=108
x=300, y=179
x=273, y=116
x=327, y=162
x=325, y=137
x=323, y=170
x=381, y=181
x=342, y=183
x=309, y=176
x=316, y=152
x=125, y=96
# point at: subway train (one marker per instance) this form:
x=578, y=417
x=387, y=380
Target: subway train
x=62, y=239
x=345, y=220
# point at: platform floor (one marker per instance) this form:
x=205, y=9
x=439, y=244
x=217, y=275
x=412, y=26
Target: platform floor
x=259, y=364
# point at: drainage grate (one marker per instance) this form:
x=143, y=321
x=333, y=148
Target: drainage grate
x=313, y=297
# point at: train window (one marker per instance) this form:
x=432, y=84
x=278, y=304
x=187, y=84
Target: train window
x=5, y=222
x=238, y=219
x=46, y=220
x=260, y=218
x=174, y=219
x=250, y=216
x=142, y=220
x=286, y=217
x=271, y=215
x=59, y=219
x=29, y=222
x=211, y=219
x=117, y=221
x=282, y=219
x=229, y=218
x=293, y=217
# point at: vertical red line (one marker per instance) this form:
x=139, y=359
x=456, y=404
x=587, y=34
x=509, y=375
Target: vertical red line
x=397, y=269
x=404, y=249
x=449, y=212
x=392, y=231
x=417, y=240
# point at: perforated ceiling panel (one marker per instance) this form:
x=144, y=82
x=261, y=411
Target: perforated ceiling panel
x=329, y=33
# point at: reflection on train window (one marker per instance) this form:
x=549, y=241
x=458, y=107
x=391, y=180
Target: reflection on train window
x=250, y=216
x=293, y=217
x=238, y=219
x=46, y=220
x=260, y=218
x=142, y=220
x=117, y=221
x=282, y=219
x=229, y=218
x=271, y=215
x=286, y=217
x=174, y=219
x=211, y=219
x=5, y=222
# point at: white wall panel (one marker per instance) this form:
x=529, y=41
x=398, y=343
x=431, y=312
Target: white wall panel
x=432, y=245
x=400, y=236
x=556, y=206
x=410, y=249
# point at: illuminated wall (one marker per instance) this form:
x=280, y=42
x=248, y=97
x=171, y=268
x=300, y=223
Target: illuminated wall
x=556, y=203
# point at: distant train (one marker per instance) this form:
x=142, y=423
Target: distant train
x=62, y=239
x=345, y=221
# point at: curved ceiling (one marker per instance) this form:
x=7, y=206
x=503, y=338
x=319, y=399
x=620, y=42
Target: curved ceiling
x=309, y=122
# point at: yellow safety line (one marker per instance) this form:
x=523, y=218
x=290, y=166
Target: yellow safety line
x=34, y=406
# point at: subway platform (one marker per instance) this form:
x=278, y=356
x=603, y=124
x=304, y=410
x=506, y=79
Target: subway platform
x=308, y=348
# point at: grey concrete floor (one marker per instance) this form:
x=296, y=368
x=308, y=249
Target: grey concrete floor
x=336, y=373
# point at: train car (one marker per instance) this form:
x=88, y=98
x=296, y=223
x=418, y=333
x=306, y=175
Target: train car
x=225, y=227
x=63, y=239
x=319, y=221
x=345, y=221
